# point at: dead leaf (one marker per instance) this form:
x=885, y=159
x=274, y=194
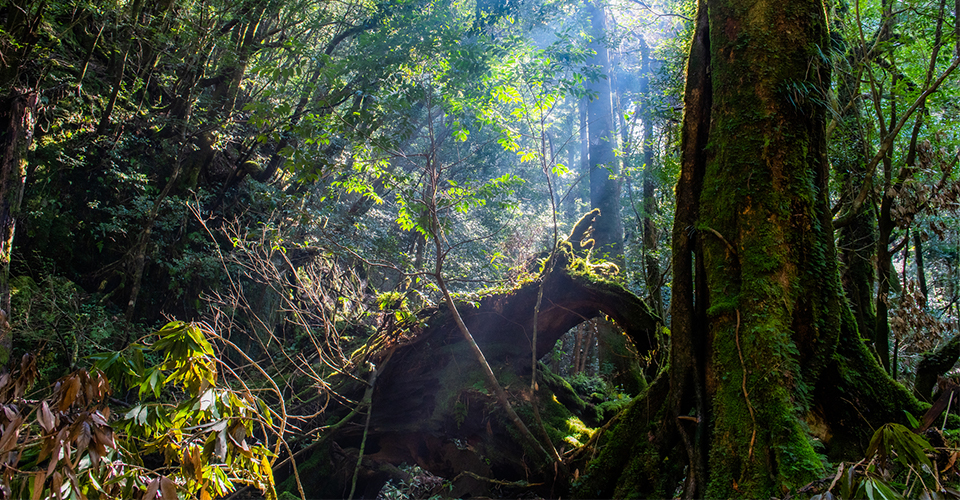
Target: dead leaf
x=69, y=391
x=45, y=418
x=56, y=483
x=38, y=486
x=8, y=441
x=168, y=489
x=104, y=439
x=55, y=457
x=152, y=490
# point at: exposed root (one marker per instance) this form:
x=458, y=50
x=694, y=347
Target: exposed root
x=743, y=385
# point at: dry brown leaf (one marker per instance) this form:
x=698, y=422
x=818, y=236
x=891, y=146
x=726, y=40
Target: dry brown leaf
x=104, y=439
x=56, y=483
x=38, y=486
x=84, y=437
x=45, y=418
x=54, y=458
x=152, y=488
x=69, y=391
x=168, y=489
x=8, y=440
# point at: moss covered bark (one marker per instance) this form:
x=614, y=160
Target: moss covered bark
x=768, y=248
x=934, y=364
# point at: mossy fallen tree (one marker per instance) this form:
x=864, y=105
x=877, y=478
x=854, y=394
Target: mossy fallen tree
x=432, y=408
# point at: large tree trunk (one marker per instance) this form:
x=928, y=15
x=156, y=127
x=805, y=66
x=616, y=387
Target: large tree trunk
x=17, y=117
x=762, y=338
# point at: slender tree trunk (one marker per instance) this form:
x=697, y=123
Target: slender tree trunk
x=918, y=256
x=604, y=167
x=568, y=199
x=120, y=64
x=17, y=117
x=885, y=271
x=583, y=185
x=577, y=348
x=605, y=194
x=588, y=345
x=690, y=301
x=650, y=233
x=143, y=243
x=246, y=44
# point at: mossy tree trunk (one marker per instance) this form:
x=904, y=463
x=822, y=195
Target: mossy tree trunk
x=762, y=338
x=932, y=365
x=17, y=117
x=771, y=276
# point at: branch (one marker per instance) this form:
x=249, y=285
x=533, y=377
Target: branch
x=658, y=14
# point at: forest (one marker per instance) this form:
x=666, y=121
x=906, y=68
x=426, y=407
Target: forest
x=405, y=249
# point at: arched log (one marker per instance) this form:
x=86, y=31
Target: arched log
x=431, y=408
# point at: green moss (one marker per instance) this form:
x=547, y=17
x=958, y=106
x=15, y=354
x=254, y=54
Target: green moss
x=629, y=464
x=565, y=429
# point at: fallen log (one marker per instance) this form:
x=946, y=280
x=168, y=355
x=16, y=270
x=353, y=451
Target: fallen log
x=430, y=406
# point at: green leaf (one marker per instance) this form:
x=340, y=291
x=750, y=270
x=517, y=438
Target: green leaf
x=151, y=382
x=911, y=419
x=910, y=449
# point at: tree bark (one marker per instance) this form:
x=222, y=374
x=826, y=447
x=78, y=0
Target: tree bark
x=934, y=364
x=583, y=186
x=650, y=233
x=604, y=167
x=918, y=256
x=17, y=116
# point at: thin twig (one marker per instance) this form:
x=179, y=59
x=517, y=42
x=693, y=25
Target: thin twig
x=368, y=399
x=947, y=413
